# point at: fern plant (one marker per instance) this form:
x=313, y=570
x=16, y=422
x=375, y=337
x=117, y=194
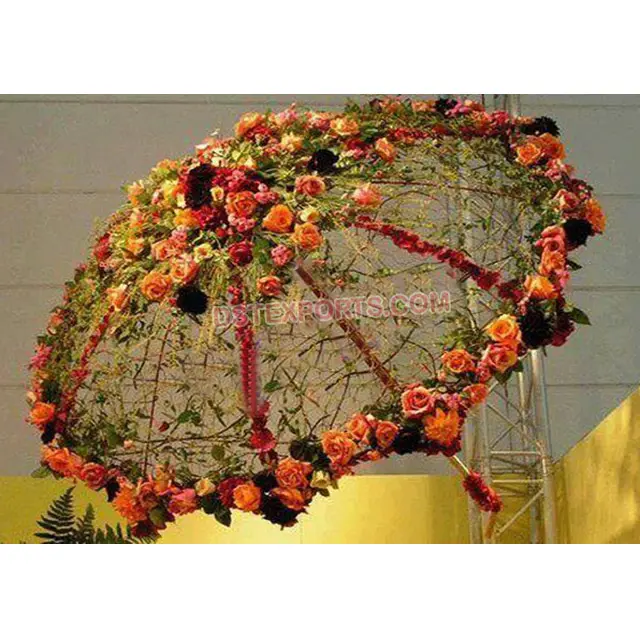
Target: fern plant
x=59, y=525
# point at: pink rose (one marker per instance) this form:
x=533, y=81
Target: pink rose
x=281, y=255
x=367, y=196
x=183, y=502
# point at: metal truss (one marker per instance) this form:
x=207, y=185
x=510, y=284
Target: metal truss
x=508, y=441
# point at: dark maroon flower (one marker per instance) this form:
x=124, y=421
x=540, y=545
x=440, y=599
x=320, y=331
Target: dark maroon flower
x=191, y=299
x=564, y=328
x=577, y=232
x=274, y=511
x=539, y=126
x=537, y=329
x=323, y=161
x=198, y=186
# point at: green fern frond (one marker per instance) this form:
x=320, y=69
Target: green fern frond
x=60, y=526
x=85, y=529
x=58, y=523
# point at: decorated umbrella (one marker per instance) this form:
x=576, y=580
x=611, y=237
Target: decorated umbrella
x=321, y=291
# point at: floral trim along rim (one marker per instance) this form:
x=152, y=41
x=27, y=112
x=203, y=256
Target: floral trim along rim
x=211, y=216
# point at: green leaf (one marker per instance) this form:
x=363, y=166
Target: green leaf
x=217, y=452
x=579, y=316
x=574, y=266
x=212, y=505
x=41, y=472
x=272, y=385
x=223, y=517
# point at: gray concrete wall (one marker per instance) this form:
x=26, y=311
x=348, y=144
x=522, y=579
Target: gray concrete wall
x=64, y=158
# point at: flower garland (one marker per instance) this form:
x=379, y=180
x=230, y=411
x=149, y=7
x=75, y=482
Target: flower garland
x=237, y=220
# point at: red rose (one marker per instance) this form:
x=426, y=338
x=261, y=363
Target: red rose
x=102, y=250
x=93, y=475
x=270, y=286
x=241, y=253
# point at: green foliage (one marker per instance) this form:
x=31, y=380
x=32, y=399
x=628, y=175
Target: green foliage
x=59, y=525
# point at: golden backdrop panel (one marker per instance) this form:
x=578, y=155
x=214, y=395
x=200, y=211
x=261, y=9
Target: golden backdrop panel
x=598, y=481
x=366, y=509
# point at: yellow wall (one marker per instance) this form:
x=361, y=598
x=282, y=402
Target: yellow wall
x=598, y=481
x=598, y=491
x=366, y=509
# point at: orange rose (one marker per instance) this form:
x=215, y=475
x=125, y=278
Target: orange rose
x=184, y=269
x=291, y=498
x=279, y=219
x=241, y=204
x=386, y=433
x=458, y=361
x=338, y=446
x=477, y=393
x=367, y=196
x=270, y=286
x=500, y=357
x=310, y=185
x=540, y=288
x=135, y=246
x=118, y=297
x=93, y=475
x=186, y=218
x=504, y=329
x=137, y=219
x=134, y=191
x=126, y=503
x=163, y=250
x=529, y=153
x=291, y=142
x=423, y=106
x=345, y=127
x=416, y=401
x=42, y=413
x=146, y=495
x=247, y=122
x=359, y=427
x=595, y=215
x=155, y=286
x=552, y=262
x=293, y=474
x=307, y=236
x=247, y=497
x=443, y=427
x=62, y=461
x=386, y=150
x=551, y=146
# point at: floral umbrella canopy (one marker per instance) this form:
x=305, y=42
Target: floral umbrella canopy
x=321, y=290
